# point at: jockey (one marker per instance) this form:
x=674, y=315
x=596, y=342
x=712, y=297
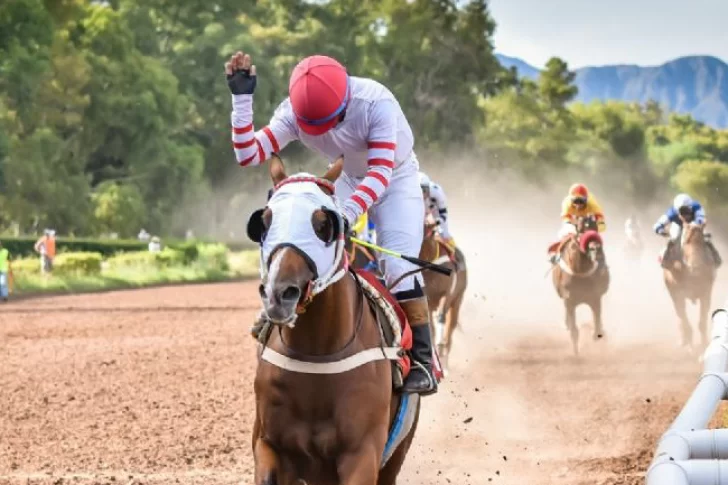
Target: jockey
x=632, y=230
x=364, y=230
x=632, y=227
x=683, y=206
x=334, y=114
x=436, y=205
x=579, y=203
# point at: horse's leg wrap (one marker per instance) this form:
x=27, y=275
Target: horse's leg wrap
x=420, y=379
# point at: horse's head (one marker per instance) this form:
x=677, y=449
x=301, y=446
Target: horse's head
x=694, y=248
x=302, y=242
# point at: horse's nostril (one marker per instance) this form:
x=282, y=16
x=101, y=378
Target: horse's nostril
x=261, y=290
x=291, y=293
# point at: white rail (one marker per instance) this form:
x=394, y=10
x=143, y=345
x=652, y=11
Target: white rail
x=689, y=454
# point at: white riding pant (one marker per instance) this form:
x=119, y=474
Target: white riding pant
x=399, y=216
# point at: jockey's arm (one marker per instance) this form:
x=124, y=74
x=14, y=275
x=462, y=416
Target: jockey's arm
x=594, y=208
x=699, y=214
x=253, y=148
x=567, y=211
x=663, y=221
x=381, y=144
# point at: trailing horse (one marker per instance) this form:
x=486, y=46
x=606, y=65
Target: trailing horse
x=691, y=277
x=581, y=276
x=332, y=351
x=444, y=293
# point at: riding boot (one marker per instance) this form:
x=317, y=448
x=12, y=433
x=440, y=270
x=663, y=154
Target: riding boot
x=716, y=257
x=371, y=266
x=421, y=379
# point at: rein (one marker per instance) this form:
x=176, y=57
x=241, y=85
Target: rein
x=333, y=363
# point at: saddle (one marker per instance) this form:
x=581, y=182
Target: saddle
x=394, y=325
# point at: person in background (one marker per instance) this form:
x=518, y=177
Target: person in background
x=6, y=272
x=155, y=245
x=46, y=247
x=143, y=235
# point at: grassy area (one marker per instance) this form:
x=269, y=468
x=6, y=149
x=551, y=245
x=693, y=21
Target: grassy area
x=242, y=264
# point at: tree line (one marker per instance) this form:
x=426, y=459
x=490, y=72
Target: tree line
x=114, y=115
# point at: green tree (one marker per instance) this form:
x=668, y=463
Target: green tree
x=556, y=84
x=119, y=208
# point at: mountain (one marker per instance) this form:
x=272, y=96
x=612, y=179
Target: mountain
x=523, y=68
x=696, y=85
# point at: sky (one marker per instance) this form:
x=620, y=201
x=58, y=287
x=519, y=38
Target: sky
x=600, y=32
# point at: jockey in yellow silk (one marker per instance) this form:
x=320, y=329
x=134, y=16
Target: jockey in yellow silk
x=578, y=203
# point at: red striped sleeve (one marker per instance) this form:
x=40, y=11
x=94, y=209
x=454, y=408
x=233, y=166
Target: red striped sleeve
x=380, y=162
x=369, y=192
x=382, y=179
x=243, y=129
x=360, y=202
x=273, y=141
x=245, y=144
x=381, y=144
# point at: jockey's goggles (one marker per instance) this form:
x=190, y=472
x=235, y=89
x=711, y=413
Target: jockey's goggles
x=578, y=200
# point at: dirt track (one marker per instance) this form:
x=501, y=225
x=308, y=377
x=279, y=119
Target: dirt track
x=154, y=386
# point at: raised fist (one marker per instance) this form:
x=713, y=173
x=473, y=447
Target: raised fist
x=240, y=73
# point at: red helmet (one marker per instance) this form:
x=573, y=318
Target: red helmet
x=319, y=92
x=579, y=191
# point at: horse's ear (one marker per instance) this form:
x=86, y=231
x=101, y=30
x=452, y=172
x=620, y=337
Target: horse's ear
x=277, y=169
x=334, y=170
x=326, y=225
x=256, y=226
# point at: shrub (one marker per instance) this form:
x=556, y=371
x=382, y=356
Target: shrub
x=85, y=263
x=213, y=256
x=26, y=265
x=131, y=259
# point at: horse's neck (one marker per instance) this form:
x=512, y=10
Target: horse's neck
x=328, y=322
x=577, y=260
x=695, y=251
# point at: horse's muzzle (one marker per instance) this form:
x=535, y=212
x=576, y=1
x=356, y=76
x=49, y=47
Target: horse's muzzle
x=280, y=302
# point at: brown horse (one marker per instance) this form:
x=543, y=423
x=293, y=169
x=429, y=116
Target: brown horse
x=326, y=408
x=444, y=293
x=359, y=256
x=581, y=276
x=691, y=278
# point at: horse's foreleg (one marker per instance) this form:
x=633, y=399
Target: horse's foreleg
x=266, y=463
x=359, y=468
x=596, y=308
x=451, y=324
x=705, y=301
x=678, y=301
x=570, y=308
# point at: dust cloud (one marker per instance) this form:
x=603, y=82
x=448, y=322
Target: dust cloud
x=539, y=415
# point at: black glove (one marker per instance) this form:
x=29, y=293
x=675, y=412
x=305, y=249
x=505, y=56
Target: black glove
x=241, y=82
